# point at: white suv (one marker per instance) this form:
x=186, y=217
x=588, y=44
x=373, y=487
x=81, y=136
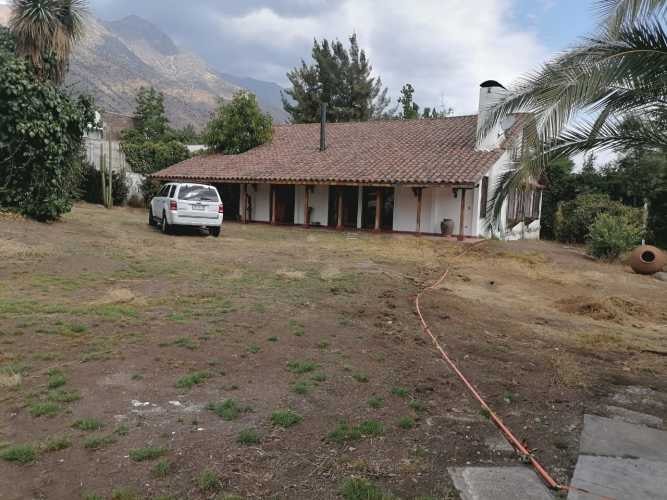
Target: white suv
x=180, y=204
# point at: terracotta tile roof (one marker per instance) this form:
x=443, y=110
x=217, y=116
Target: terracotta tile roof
x=432, y=151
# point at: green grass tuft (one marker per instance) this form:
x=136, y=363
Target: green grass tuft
x=301, y=366
x=272, y=339
x=254, y=349
x=162, y=468
x=418, y=406
x=64, y=395
x=122, y=430
x=406, y=423
x=98, y=442
x=192, y=379
x=228, y=409
x=48, y=409
x=360, y=377
x=20, y=453
x=186, y=343
x=362, y=489
x=401, y=392
x=57, y=443
x=343, y=433
x=301, y=387
x=319, y=377
x=286, y=418
x=56, y=379
x=88, y=424
x=376, y=402
x=248, y=437
x=148, y=453
x=209, y=482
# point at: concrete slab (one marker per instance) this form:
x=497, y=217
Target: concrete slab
x=619, y=478
x=614, y=438
x=633, y=417
x=498, y=483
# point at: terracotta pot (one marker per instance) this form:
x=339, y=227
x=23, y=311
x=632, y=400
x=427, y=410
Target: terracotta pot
x=447, y=227
x=647, y=259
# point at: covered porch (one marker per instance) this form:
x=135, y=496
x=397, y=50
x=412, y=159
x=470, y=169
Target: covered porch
x=377, y=208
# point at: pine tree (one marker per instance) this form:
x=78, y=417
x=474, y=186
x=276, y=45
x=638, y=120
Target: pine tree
x=340, y=77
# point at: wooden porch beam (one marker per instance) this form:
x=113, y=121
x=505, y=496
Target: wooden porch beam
x=273, y=205
x=244, y=200
x=378, y=209
x=339, y=209
x=306, y=206
x=419, y=210
x=463, y=213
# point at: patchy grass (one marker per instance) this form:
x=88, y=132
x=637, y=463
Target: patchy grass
x=417, y=405
x=285, y=418
x=376, y=402
x=88, y=424
x=45, y=409
x=301, y=387
x=248, y=437
x=57, y=443
x=208, y=482
x=301, y=367
x=254, y=349
x=122, y=430
x=20, y=453
x=296, y=328
x=228, y=410
x=192, y=379
x=56, y=379
x=360, y=377
x=319, y=377
x=400, y=392
x=362, y=489
x=186, y=343
x=98, y=442
x=64, y=395
x=162, y=468
x=124, y=494
x=148, y=453
x=345, y=432
x=406, y=423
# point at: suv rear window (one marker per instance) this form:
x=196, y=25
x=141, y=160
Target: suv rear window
x=197, y=193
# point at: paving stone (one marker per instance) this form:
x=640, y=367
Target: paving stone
x=615, y=438
x=634, y=417
x=498, y=483
x=619, y=478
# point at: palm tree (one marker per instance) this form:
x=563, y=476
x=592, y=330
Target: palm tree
x=45, y=32
x=619, y=72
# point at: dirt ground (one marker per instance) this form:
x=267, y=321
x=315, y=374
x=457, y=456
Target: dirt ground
x=115, y=340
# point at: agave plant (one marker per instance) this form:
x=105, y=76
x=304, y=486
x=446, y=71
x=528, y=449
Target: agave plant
x=577, y=102
x=45, y=32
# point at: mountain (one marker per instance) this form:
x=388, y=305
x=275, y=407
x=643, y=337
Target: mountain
x=116, y=58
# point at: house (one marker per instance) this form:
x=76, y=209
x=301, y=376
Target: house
x=386, y=175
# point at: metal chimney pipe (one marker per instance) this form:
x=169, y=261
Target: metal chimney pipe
x=323, y=126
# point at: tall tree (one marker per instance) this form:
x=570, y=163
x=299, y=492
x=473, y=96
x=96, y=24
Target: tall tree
x=238, y=125
x=620, y=70
x=409, y=107
x=150, y=118
x=339, y=77
x=46, y=31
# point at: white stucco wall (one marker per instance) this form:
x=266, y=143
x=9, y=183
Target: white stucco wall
x=405, y=209
x=318, y=200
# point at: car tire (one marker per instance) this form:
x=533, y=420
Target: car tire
x=151, y=219
x=214, y=231
x=164, y=224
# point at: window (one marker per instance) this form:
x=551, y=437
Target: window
x=163, y=191
x=484, y=193
x=172, y=191
x=198, y=193
x=523, y=205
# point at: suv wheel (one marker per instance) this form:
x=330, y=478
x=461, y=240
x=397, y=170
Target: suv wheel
x=214, y=231
x=166, y=228
x=151, y=219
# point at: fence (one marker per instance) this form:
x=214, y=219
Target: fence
x=94, y=150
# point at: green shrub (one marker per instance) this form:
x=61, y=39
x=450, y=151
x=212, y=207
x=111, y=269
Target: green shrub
x=248, y=436
x=21, y=453
x=150, y=453
x=575, y=218
x=90, y=185
x=362, y=489
x=286, y=418
x=612, y=235
x=41, y=130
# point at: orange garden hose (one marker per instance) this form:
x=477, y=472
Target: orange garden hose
x=522, y=450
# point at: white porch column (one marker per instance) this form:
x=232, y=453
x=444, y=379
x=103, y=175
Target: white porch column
x=360, y=201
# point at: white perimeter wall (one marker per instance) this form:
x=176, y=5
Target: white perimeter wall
x=261, y=202
x=318, y=200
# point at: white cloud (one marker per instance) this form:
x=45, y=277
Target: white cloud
x=445, y=48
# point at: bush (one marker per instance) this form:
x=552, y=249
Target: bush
x=41, y=131
x=575, y=218
x=90, y=186
x=612, y=235
x=148, y=156
x=150, y=188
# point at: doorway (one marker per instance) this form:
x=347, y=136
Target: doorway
x=350, y=205
x=283, y=204
x=230, y=194
x=369, y=199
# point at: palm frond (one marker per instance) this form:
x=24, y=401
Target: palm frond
x=618, y=13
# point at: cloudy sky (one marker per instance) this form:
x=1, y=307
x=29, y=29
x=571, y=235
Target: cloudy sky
x=445, y=48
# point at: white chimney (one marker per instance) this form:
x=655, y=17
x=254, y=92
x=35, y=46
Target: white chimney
x=490, y=92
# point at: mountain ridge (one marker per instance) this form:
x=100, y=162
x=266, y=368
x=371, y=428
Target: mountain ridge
x=115, y=58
